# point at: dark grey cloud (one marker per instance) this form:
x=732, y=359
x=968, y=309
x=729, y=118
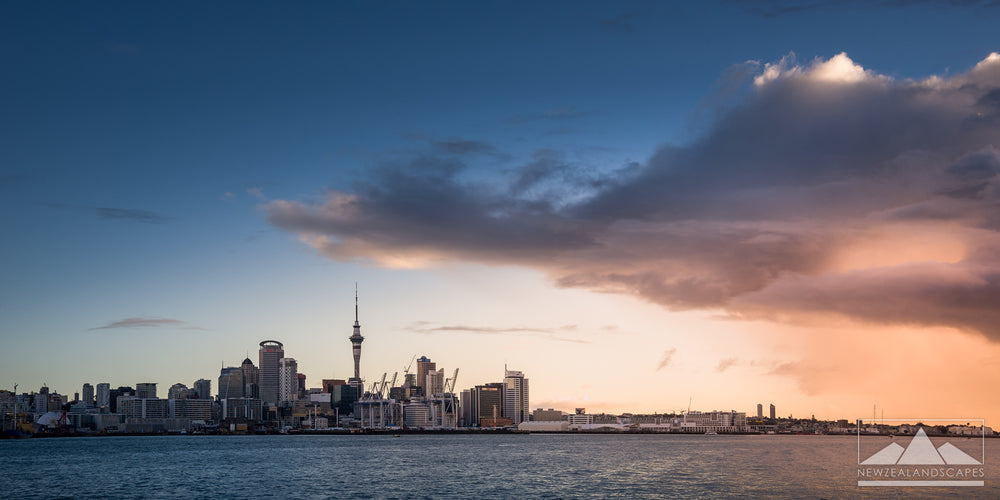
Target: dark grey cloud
x=131, y=214
x=620, y=23
x=559, y=113
x=776, y=8
x=12, y=179
x=113, y=213
x=825, y=189
x=148, y=323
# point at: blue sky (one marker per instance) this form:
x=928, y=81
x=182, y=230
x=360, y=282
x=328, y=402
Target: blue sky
x=151, y=152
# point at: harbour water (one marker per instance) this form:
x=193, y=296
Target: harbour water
x=454, y=466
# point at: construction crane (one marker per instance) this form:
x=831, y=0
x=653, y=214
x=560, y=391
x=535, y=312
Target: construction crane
x=381, y=386
x=449, y=384
x=407, y=371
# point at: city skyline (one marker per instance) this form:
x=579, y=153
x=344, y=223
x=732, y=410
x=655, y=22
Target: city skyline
x=637, y=204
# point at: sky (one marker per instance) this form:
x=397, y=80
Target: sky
x=643, y=206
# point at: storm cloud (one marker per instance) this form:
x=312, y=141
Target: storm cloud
x=827, y=190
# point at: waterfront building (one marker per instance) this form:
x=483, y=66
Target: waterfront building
x=416, y=415
x=136, y=407
x=194, y=409
x=288, y=381
x=550, y=415
x=231, y=383
x=242, y=409
x=103, y=395
x=88, y=395
x=271, y=351
x=145, y=390
x=465, y=405
x=487, y=403
x=204, y=388
x=356, y=340
x=515, y=396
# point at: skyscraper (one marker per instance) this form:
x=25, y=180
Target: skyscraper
x=104, y=395
x=424, y=366
x=487, y=404
x=88, y=395
x=434, y=383
x=270, y=352
x=145, y=390
x=251, y=379
x=203, y=388
x=760, y=410
x=230, y=383
x=288, y=380
x=515, y=405
x=772, y=411
x=356, y=340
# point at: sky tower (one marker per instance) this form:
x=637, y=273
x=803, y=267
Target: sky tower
x=356, y=340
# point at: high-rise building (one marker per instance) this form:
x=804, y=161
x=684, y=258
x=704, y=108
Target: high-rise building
x=251, y=379
x=176, y=391
x=197, y=409
x=104, y=395
x=88, y=395
x=465, y=403
x=231, y=383
x=434, y=383
x=487, y=403
x=113, y=394
x=515, y=405
x=288, y=380
x=203, y=388
x=424, y=366
x=271, y=351
x=760, y=410
x=145, y=390
x=302, y=385
x=772, y=411
x=356, y=340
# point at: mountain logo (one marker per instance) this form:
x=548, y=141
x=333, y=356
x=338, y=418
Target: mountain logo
x=921, y=451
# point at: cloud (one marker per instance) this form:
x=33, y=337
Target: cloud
x=112, y=213
x=667, y=357
x=776, y=8
x=148, y=323
x=131, y=214
x=826, y=190
x=559, y=113
x=546, y=333
x=13, y=179
x=619, y=23
x=725, y=364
